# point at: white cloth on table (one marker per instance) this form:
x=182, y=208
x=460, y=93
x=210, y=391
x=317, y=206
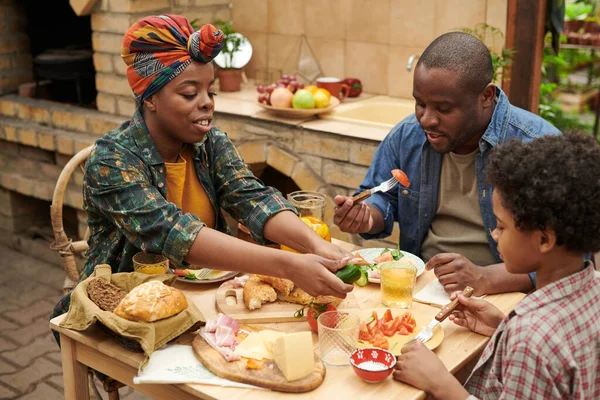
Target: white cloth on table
x=178, y=364
x=433, y=294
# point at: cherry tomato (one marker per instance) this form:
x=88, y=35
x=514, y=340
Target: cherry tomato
x=313, y=312
x=401, y=177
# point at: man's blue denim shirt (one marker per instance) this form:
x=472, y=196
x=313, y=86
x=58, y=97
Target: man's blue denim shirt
x=406, y=148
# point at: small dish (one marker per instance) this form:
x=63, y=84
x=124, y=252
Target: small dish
x=216, y=276
x=372, y=364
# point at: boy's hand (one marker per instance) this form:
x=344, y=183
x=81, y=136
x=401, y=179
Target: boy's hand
x=475, y=314
x=420, y=367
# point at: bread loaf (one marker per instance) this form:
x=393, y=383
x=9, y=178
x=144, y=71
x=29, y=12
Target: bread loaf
x=104, y=294
x=151, y=301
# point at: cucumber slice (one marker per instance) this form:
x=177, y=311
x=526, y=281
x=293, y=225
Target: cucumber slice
x=363, y=280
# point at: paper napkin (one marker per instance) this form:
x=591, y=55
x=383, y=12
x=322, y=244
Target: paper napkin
x=433, y=294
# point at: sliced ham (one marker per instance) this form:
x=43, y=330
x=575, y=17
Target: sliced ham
x=225, y=336
x=236, y=283
x=226, y=352
x=211, y=326
x=226, y=320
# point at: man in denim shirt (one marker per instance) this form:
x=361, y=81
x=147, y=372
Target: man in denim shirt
x=446, y=216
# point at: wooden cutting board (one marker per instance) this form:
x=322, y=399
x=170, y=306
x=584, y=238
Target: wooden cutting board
x=270, y=378
x=231, y=302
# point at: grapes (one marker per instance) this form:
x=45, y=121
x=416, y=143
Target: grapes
x=286, y=81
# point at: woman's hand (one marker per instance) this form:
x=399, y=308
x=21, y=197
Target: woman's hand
x=420, y=367
x=331, y=251
x=475, y=314
x=313, y=274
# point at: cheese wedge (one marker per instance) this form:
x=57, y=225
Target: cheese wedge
x=255, y=344
x=293, y=354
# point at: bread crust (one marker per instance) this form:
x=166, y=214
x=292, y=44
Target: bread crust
x=257, y=293
x=104, y=294
x=151, y=301
x=285, y=286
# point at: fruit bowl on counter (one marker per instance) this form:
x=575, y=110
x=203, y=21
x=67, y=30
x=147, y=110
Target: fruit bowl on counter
x=301, y=112
x=290, y=98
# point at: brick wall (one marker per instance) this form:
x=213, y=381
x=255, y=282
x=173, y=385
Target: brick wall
x=15, y=59
x=110, y=20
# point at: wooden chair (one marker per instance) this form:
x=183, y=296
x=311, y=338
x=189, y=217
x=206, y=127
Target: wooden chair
x=68, y=249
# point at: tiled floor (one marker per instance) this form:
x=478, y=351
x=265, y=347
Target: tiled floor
x=30, y=366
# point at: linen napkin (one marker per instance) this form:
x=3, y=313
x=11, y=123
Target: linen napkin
x=175, y=363
x=151, y=336
x=433, y=293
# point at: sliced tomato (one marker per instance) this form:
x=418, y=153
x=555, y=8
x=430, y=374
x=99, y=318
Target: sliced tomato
x=363, y=333
x=180, y=272
x=389, y=328
x=380, y=341
x=401, y=177
x=406, y=326
x=387, y=316
x=403, y=330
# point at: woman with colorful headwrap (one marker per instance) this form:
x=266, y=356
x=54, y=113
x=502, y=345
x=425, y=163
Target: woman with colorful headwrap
x=159, y=181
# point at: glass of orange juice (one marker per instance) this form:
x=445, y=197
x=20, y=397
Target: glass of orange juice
x=311, y=209
x=397, y=283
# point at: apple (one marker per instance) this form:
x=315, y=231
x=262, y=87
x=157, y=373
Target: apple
x=303, y=99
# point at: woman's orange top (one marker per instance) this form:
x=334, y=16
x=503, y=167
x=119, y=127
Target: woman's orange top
x=185, y=190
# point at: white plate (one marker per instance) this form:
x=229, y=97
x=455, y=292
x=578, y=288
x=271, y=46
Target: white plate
x=371, y=254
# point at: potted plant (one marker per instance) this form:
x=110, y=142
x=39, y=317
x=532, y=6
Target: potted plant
x=575, y=15
x=232, y=58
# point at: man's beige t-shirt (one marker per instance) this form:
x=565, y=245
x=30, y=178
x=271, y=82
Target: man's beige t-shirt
x=458, y=225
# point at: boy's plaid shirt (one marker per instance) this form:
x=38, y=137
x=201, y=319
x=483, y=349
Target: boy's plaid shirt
x=548, y=347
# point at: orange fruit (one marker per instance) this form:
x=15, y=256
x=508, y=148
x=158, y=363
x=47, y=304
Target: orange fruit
x=316, y=225
x=311, y=88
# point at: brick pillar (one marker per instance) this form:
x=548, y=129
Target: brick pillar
x=15, y=58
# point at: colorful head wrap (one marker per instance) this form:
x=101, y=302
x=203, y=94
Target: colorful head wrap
x=157, y=49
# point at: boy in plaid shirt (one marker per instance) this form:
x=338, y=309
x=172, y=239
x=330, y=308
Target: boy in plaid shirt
x=547, y=207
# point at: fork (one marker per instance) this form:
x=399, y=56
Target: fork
x=204, y=272
x=384, y=187
x=427, y=332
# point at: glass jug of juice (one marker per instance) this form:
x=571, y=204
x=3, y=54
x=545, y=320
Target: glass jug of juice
x=311, y=209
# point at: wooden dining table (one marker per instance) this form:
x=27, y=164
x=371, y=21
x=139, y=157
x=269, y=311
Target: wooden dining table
x=95, y=349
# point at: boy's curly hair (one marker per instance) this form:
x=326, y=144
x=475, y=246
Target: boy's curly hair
x=552, y=182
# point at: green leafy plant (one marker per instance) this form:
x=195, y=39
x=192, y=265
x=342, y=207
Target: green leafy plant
x=556, y=69
x=577, y=10
x=231, y=41
x=485, y=33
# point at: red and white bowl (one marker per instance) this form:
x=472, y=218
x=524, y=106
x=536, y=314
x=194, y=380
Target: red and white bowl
x=372, y=364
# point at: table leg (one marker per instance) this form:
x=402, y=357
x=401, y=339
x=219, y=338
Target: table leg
x=75, y=374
